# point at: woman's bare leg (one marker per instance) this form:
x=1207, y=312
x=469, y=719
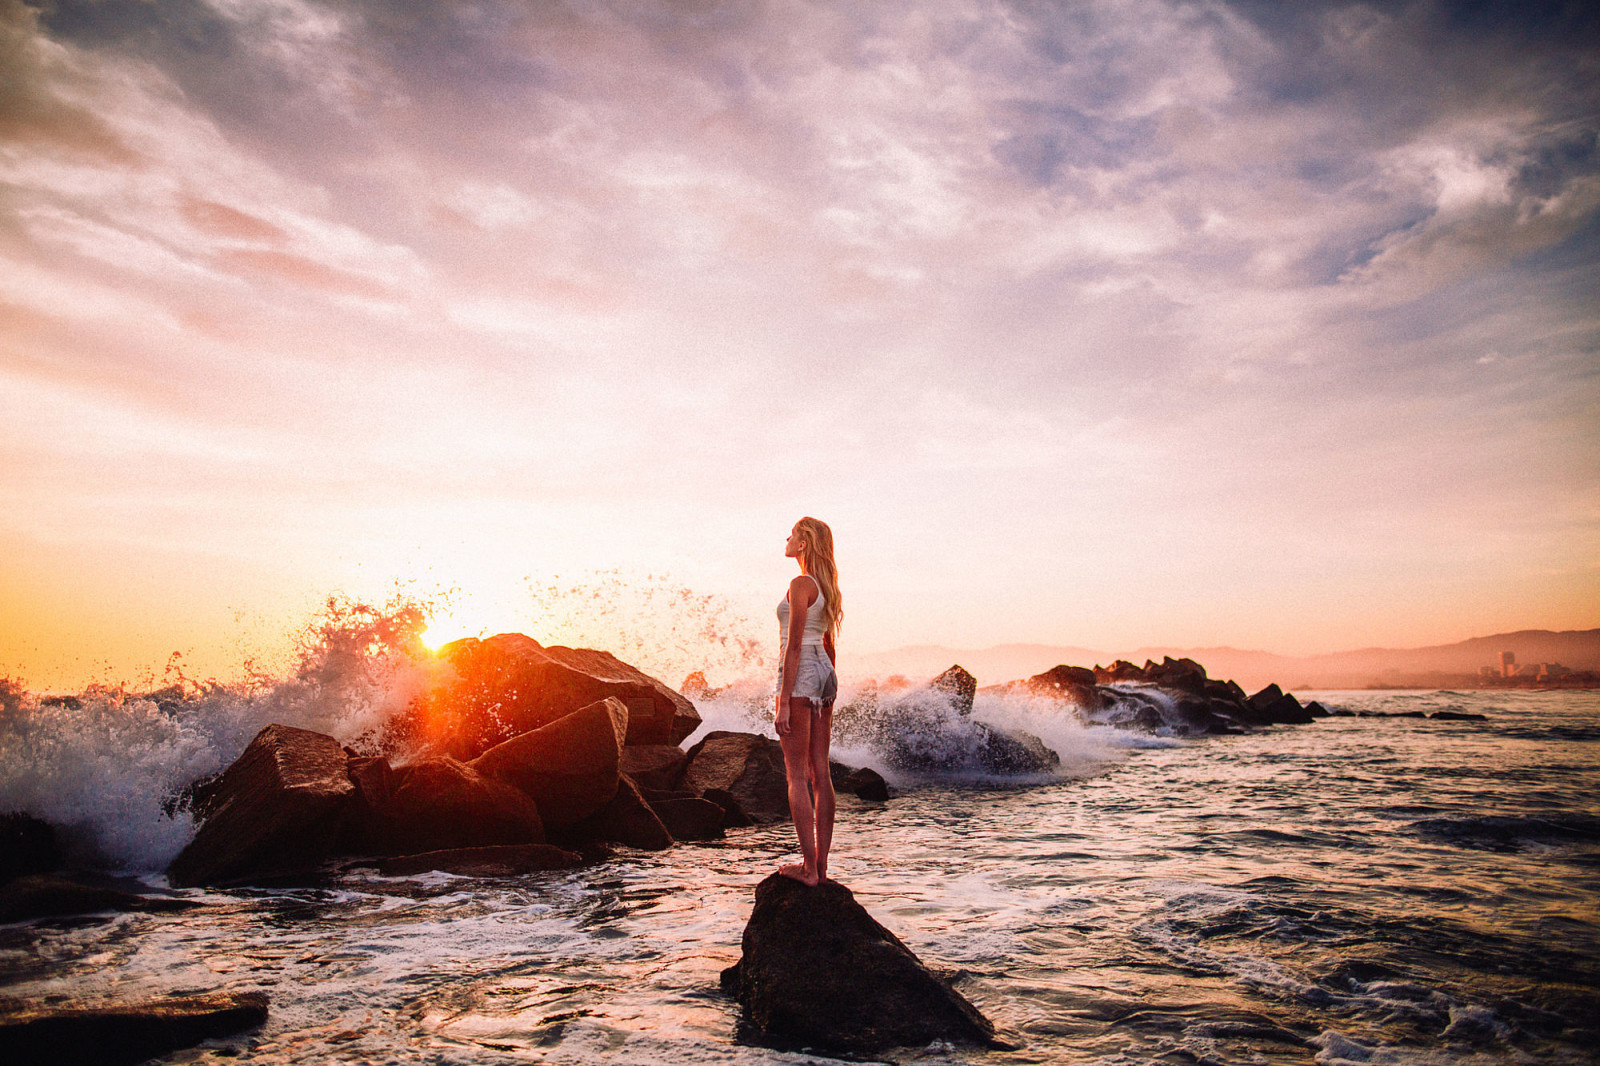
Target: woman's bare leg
x=797, y=768
x=822, y=784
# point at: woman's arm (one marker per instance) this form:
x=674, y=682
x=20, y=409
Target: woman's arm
x=827, y=646
x=799, y=603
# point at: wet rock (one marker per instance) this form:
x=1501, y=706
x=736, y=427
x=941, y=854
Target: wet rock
x=1178, y=675
x=277, y=810
x=818, y=971
x=625, y=819
x=655, y=765
x=28, y=845
x=509, y=860
x=510, y=684
x=570, y=767
x=748, y=767
x=959, y=686
x=1075, y=684
x=918, y=738
x=865, y=783
x=733, y=816
x=1456, y=716
x=44, y=896
x=1119, y=671
x=123, y=1033
x=1317, y=710
x=441, y=804
x=374, y=780
x=690, y=818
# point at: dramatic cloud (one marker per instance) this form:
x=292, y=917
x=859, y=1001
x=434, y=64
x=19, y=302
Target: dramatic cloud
x=1103, y=323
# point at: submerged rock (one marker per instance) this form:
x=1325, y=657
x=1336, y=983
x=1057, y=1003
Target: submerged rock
x=818, y=971
x=277, y=810
x=508, y=860
x=43, y=896
x=510, y=684
x=570, y=767
x=124, y=1033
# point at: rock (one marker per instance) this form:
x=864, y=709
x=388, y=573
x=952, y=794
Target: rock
x=1285, y=710
x=508, y=860
x=442, y=804
x=655, y=765
x=1012, y=751
x=126, y=1033
x=1317, y=710
x=1269, y=695
x=733, y=816
x=625, y=819
x=959, y=685
x=747, y=766
x=865, y=783
x=1076, y=684
x=819, y=972
x=374, y=782
x=43, y=896
x=689, y=818
x=1121, y=670
x=510, y=684
x=569, y=767
x=28, y=845
x=1450, y=716
x=277, y=810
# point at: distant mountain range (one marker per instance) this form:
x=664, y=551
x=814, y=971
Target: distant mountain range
x=1577, y=649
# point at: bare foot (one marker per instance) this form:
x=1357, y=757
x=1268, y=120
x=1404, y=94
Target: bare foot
x=799, y=873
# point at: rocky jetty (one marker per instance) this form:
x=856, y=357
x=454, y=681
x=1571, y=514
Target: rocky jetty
x=1174, y=695
x=122, y=1033
x=818, y=972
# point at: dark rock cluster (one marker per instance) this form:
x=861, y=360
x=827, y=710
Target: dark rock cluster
x=589, y=773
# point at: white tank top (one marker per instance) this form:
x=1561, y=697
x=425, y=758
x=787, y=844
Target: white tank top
x=816, y=623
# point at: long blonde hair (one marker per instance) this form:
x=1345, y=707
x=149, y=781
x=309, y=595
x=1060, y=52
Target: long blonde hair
x=816, y=559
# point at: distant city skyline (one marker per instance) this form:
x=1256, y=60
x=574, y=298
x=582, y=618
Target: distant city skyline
x=1106, y=324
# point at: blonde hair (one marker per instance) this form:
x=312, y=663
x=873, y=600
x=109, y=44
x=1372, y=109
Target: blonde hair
x=816, y=559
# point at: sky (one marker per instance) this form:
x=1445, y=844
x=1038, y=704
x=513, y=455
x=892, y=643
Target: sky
x=1106, y=323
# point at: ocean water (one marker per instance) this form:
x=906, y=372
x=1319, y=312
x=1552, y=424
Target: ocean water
x=1359, y=890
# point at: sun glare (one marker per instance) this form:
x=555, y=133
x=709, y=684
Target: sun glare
x=453, y=625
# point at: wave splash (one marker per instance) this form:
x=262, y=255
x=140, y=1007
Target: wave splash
x=106, y=765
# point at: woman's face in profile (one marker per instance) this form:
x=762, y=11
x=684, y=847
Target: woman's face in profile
x=791, y=547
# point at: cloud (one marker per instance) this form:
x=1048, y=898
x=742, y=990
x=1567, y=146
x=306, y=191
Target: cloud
x=1096, y=259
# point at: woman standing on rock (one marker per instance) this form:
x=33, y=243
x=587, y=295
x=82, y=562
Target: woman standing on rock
x=808, y=620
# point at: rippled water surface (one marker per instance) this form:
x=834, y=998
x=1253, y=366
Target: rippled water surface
x=1362, y=890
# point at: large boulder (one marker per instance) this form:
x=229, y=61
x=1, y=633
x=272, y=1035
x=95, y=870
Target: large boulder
x=745, y=765
x=440, y=804
x=122, y=1033
x=570, y=767
x=655, y=765
x=1076, y=684
x=510, y=684
x=625, y=819
x=818, y=971
x=689, y=817
x=277, y=810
